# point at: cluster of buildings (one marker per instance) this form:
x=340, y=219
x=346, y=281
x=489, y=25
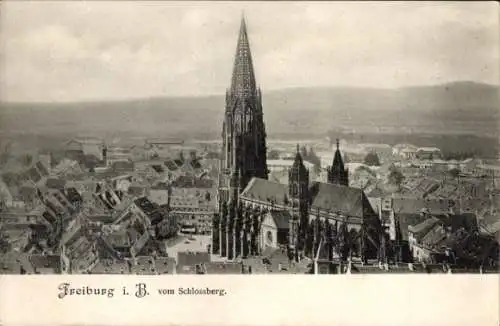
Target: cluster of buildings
x=167, y=207
x=94, y=208
x=337, y=226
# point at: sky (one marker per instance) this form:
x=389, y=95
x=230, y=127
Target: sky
x=106, y=50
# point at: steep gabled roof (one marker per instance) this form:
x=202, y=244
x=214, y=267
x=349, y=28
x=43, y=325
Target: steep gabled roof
x=339, y=199
x=327, y=197
x=281, y=219
x=265, y=190
x=424, y=226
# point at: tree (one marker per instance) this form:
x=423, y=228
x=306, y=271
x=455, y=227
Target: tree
x=192, y=155
x=273, y=155
x=309, y=243
x=329, y=239
x=343, y=242
x=5, y=245
x=372, y=159
x=11, y=179
x=454, y=172
x=26, y=159
x=395, y=176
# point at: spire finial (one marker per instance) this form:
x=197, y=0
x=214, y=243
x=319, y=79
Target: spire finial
x=298, y=148
x=337, y=141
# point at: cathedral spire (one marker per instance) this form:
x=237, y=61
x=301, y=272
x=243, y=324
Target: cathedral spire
x=243, y=78
x=337, y=173
x=298, y=166
x=337, y=159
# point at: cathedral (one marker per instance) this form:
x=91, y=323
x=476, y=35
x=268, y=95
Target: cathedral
x=307, y=218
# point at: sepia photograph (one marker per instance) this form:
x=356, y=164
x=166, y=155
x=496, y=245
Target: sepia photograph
x=257, y=138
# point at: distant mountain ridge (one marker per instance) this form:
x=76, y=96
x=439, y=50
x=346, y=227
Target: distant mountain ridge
x=462, y=107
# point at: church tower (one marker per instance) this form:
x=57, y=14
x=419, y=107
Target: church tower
x=243, y=142
x=298, y=193
x=243, y=131
x=337, y=174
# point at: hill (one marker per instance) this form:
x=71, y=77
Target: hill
x=455, y=108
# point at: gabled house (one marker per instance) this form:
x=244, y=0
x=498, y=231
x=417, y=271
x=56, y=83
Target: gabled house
x=274, y=229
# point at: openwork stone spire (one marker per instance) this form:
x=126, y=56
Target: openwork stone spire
x=338, y=163
x=243, y=79
x=337, y=173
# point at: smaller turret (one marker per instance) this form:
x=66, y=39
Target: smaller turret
x=337, y=173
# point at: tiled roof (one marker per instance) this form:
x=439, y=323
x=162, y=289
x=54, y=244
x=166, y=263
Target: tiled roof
x=73, y=232
x=435, y=235
x=195, y=164
x=34, y=174
x=27, y=192
x=42, y=168
x=280, y=176
x=424, y=226
x=192, y=258
x=412, y=205
x=490, y=228
x=158, y=168
x=123, y=166
x=281, y=219
x=55, y=183
x=12, y=263
x=468, y=221
x=111, y=267
x=144, y=265
x=223, y=268
x=145, y=205
x=152, y=210
x=102, y=218
x=264, y=190
x=165, y=265
x=118, y=239
x=185, y=181
x=339, y=199
x=136, y=189
x=73, y=195
x=454, y=239
x=50, y=217
x=140, y=243
x=329, y=197
x=407, y=220
x=376, y=192
x=47, y=263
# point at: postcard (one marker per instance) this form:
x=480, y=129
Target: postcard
x=249, y=163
